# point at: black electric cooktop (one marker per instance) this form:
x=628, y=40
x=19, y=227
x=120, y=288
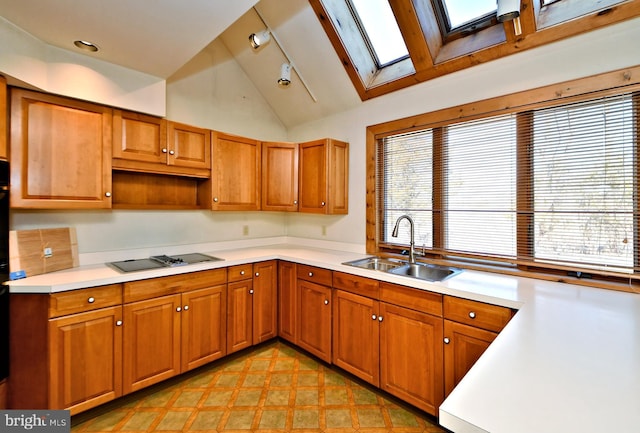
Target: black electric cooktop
x=161, y=261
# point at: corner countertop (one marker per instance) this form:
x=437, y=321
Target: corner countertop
x=568, y=361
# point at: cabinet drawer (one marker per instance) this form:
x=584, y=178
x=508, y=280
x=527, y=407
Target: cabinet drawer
x=354, y=284
x=415, y=299
x=240, y=272
x=154, y=287
x=77, y=301
x=478, y=314
x=316, y=275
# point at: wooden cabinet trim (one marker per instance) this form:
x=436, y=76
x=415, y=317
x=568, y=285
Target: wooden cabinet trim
x=478, y=314
x=314, y=274
x=409, y=297
x=76, y=301
x=359, y=285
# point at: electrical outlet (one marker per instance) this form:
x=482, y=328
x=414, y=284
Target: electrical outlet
x=245, y=230
x=48, y=252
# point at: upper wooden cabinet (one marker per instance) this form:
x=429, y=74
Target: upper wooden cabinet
x=280, y=176
x=235, y=173
x=4, y=154
x=324, y=177
x=154, y=145
x=60, y=152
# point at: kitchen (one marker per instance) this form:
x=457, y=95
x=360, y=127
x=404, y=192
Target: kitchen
x=223, y=98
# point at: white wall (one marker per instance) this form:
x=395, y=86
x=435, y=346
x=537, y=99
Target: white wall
x=600, y=51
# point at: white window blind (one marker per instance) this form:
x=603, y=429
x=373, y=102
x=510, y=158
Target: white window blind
x=407, y=182
x=583, y=183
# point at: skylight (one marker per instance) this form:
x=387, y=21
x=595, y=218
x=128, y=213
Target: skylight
x=381, y=30
x=460, y=12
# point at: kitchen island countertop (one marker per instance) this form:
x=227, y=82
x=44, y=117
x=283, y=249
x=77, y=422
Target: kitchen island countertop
x=568, y=361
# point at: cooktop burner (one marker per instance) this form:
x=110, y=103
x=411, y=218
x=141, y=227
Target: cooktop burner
x=161, y=261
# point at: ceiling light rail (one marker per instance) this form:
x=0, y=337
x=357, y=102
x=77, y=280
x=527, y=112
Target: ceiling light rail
x=260, y=38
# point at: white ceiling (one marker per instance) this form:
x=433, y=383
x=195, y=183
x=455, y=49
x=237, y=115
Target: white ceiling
x=158, y=37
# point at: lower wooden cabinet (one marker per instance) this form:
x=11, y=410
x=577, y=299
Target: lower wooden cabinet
x=314, y=319
x=265, y=301
x=85, y=360
x=152, y=341
x=287, y=302
x=240, y=311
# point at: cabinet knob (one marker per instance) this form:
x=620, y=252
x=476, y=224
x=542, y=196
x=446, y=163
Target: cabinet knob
x=251, y=291
x=185, y=308
x=446, y=340
x=91, y=300
x=374, y=317
x=172, y=152
x=241, y=272
x=164, y=150
x=295, y=202
x=215, y=199
x=178, y=309
x=257, y=274
x=379, y=318
x=323, y=203
x=472, y=314
x=107, y=194
x=326, y=302
x=311, y=274
x=119, y=323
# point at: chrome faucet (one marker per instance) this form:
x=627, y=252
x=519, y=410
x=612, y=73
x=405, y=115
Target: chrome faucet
x=412, y=252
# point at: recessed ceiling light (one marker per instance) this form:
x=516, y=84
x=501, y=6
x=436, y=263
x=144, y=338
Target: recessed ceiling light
x=85, y=45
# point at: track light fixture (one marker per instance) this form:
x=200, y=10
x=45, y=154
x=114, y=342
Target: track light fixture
x=285, y=75
x=259, y=39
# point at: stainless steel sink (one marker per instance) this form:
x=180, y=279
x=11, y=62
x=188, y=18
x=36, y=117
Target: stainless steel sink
x=421, y=271
x=424, y=271
x=376, y=263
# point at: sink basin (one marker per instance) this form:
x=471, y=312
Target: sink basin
x=376, y=263
x=424, y=271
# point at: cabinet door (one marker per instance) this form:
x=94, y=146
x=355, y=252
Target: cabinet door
x=411, y=360
x=85, y=359
x=324, y=177
x=239, y=313
x=280, y=176
x=139, y=137
x=314, y=319
x=151, y=346
x=356, y=335
x=60, y=152
x=265, y=301
x=235, y=173
x=463, y=346
x=287, y=305
x=188, y=146
x=204, y=326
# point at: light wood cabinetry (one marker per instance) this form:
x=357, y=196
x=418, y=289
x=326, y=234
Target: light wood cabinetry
x=160, y=325
x=4, y=152
x=287, y=301
x=252, y=312
x=324, y=177
x=143, y=143
x=280, y=176
x=235, y=173
x=314, y=310
x=469, y=328
x=60, y=152
x=66, y=349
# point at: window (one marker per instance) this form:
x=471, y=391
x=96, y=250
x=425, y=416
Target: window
x=459, y=18
x=553, y=187
x=380, y=29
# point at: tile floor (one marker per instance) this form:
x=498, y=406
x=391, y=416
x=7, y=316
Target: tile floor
x=272, y=388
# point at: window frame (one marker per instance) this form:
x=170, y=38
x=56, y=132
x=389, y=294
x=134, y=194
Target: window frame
x=471, y=27
x=608, y=84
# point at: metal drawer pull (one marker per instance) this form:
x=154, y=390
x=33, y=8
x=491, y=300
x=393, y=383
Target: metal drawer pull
x=311, y=274
x=178, y=309
x=472, y=314
x=119, y=323
x=257, y=274
x=446, y=340
x=251, y=291
x=186, y=307
x=326, y=302
x=374, y=317
x=241, y=272
x=379, y=318
x=91, y=300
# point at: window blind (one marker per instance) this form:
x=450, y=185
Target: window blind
x=552, y=187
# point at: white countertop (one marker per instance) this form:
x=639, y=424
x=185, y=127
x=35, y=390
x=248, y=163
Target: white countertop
x=569, y=361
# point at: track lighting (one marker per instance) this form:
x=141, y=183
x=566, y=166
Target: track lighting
x=285, y=75
x=508, y=10
x=259, y=39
